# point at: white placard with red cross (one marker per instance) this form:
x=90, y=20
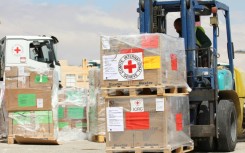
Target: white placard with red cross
x=137, y=105
x=17, y=50
x=130, y=67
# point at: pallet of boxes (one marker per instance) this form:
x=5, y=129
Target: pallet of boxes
x=96, y=108
x=143, y=80
x=72, y=119
x=29, y=99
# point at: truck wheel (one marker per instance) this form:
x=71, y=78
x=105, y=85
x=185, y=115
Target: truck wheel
x=227, y=124
x=206, y=144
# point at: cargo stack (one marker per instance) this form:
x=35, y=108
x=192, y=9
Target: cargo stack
x=30, y=95
x=143, y=81
x=96, y=108
x=72, y=118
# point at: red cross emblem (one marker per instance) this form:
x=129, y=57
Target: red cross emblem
x=137, y=103
x=130, y=66
x=17, y=50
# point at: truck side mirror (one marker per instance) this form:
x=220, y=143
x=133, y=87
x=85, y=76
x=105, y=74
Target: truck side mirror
x=52, y=64
x=55, y=39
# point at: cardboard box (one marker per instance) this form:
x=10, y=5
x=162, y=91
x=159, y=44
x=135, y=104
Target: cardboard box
x=144, y=59
x=38, y=80
x=71, y=112
x=68, y=124
x=23, y=82
x=120, y=139
x=11, y=83
x=28, y=77
x=155, y=125
x=62, y=123
x=28, y=99
x=33, y=124
x=72, y=116
x=17, y=82
x=15, y=71
x=11, y=71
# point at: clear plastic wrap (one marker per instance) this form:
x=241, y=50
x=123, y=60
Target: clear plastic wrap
x=31, y=95
x=96, y=106
x=32, y=124
x=3, y=113
x=2, y=90
x=143, y=59
x=148, y=122
x=179, y=121
x=72, y=118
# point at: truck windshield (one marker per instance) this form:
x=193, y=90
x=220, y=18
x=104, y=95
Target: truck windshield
x=42, y=51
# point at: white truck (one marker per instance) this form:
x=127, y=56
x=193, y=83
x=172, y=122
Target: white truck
x=34, y=51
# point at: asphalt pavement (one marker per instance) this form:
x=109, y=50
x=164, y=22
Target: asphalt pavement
x=71, y=147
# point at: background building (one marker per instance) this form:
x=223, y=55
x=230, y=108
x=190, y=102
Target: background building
x=76, y=76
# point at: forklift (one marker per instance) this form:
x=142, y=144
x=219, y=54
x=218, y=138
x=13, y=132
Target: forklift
x=216, y=112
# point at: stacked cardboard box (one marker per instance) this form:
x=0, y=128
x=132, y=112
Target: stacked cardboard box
x=72, y=118
x=140, y=79
x=96, y=107
x=146, y=59
x=29, y=98
x=26, y=77
x=156, y=126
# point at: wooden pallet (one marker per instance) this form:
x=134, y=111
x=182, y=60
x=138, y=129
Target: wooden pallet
x=182, y=149
x=133, y=91
x=99, y=138
x=11, y=140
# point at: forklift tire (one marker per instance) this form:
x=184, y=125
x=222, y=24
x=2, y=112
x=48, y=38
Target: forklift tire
x=206, y=144
x=227, y=125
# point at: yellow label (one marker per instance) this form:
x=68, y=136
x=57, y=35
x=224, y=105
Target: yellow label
x=152, y=62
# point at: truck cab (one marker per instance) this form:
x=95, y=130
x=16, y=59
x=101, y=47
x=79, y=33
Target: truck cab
x=37, y=52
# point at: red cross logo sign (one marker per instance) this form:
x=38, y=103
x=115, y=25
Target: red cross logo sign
x=137, y=103
x=17, y=50
x=130, y=67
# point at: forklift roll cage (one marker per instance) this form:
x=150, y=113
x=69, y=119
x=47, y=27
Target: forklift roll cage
x=188, y=10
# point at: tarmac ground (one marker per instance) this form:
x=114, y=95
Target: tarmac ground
x=71, y=147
